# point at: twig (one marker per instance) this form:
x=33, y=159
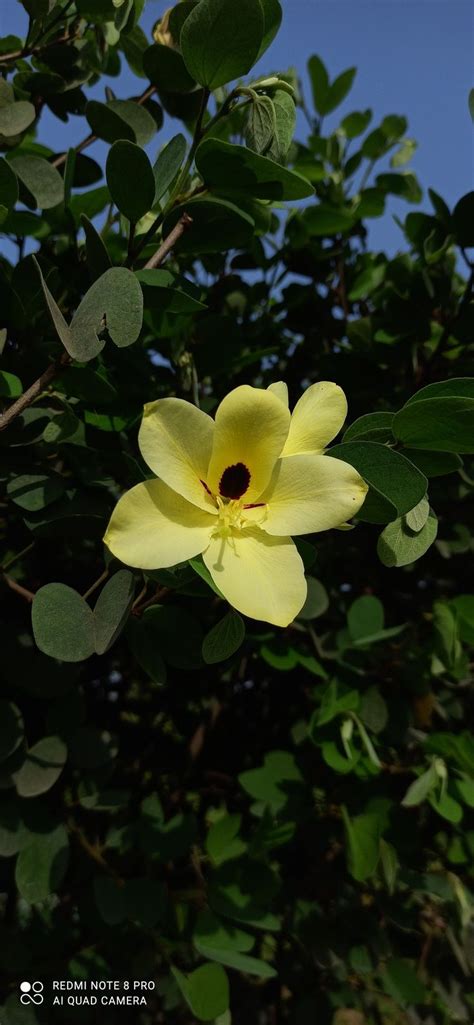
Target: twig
x=14, y=558
x=169, y=242
x=94, y=852
x=22, y=591
x=160, y=593
x=66, y=37
x=89, y=139
x=33, y=391
x=96, y=584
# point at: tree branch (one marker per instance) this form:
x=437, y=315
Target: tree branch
x=169, y=242
x=33, y=391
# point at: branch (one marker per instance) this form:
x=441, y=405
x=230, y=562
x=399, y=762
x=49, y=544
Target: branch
x=33, y=391
x=18, y=589
x=89, y=139
x=169, y=242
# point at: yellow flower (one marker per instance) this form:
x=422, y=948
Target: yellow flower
x=236, y=489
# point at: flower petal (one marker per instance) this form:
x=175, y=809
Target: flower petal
x=175, y=441
x=250, y=432
x=261, y=576
x=310, y=493
x=153, y=527
x=316, y=419
x=280, y=389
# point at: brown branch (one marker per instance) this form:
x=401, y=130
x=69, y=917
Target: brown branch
x=169, y=242
x=29, y=51
x=17, y=588
x=96, y=584
x=89, y=139
x=160, y=593
x=33, y=391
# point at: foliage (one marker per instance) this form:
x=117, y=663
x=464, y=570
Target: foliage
x=268, y=824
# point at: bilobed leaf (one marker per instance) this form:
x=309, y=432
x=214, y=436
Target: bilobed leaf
x=272, y=16
x=112, y=609
x=337, y=91
x=98, y=259
x=223, y=842
x=167, y=164
x=371, y=427
x=217, y=223
x=42, y=864
x=445, y=424
x=323, y=219
x=42, y=767
x=120, y=119
x=82, y=348
x=260, y=124
x=389, y=474
x=232, y=168
x=463, y=220
x=234, y=959
x=221, y=41
x=224, y=639
x=114, y=304
x=317, y=600
x=206, y=990
x=41, y=179
x=8, y=184
x=363, y=844
x=399, y=546
x=319, y=79
x=15, y=118
x=35, y=491
x=416, y=518
x=128, y=164
x=356, y=123
x=166, y=69
x=63, y=623
x=285, y=123
x=10, y=385
x=365, y=617
x=421, y=787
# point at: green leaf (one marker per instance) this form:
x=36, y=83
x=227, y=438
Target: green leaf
x=324, y=219
x=260, y=124
x=145, y=645
x=217, y=224
x=206, y=990
x=82, y=347
x=42, y=767
x=221, y=41
x=274, y=782
x=42, y=181
x=402, y=984
x=365, y=617
x=223, y=842
x=11, y=729
x=442, y=424
x=126, y=164
x=272, y=17
x=354, y=124
x=471, y=103
x=419, y=790
x=434, y=464
x=285, y=123
x=338, y=91
x=232, y=168
x=390, y=864
x=417, y=517
x=98, y=259
x=8, y=185
x=390, y=475
x=234, y=959
x=319, y=79
x=63, y=623
x=166, y=69
x=363, y=844
x=168, y=292
x=317, y=600
x=35, y=491
x=167, y=164
x=399, y=546
x=10, y=385
x=371, y=427
x=112, y=609
x=224, y=639
x=114, y=304
x=463, y=220
x=15, y=118
x=42, y=864
x=121, y=119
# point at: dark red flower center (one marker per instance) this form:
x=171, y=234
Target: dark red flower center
x=234, y=481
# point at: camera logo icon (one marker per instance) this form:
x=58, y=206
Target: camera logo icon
x=31, y=993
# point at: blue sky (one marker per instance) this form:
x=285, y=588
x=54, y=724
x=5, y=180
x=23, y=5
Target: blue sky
x=414, y=57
